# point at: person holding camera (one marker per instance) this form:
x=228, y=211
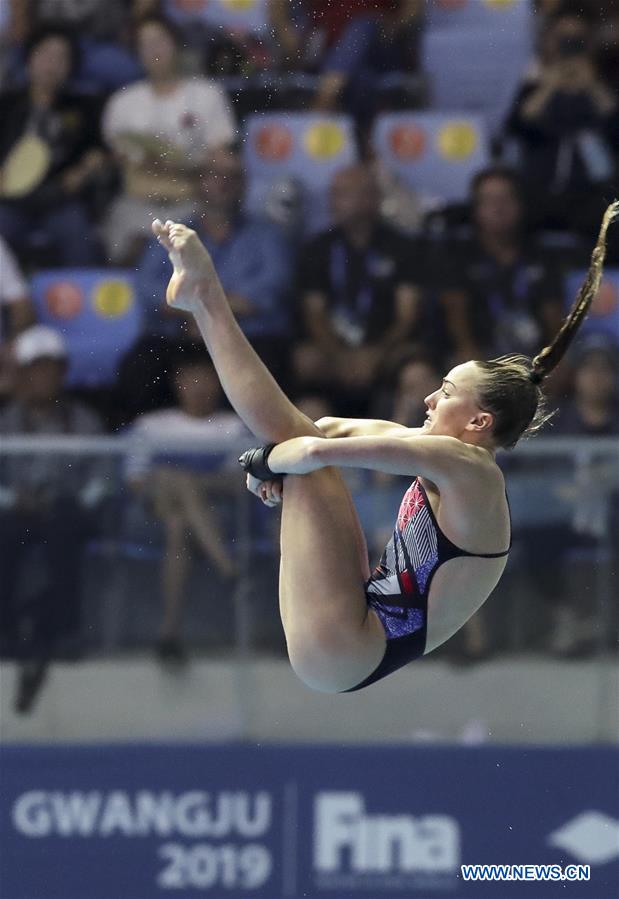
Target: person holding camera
x=565, y=124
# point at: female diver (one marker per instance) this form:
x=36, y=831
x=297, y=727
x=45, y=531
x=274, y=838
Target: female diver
x=346, y=627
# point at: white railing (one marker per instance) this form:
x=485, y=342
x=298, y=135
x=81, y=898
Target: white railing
x=577, y=447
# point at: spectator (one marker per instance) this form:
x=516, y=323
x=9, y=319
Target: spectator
x=101, y=26
x=253, y=262
x=359, y=301
x=16, y=312
x=402, y=398
x=565, y=121
x=101, y=19
x=304, y=30
x=592, y=411
x=182, y=488
x=161, y=130
x=252, y=259
x=48, y=501
x=385, y=42
x=50, y=156
x=501, y=292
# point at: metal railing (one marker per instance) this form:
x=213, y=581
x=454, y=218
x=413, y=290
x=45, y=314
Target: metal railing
x=573, y=482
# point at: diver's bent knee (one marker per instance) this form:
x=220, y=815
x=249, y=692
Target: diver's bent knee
x=315, y=674
x=326, y=661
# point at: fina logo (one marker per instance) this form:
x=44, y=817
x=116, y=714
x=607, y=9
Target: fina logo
x=591, y=837
x=348, y=841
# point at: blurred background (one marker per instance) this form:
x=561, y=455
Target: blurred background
x=387, y=187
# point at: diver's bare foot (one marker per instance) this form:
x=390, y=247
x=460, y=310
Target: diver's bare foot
x=193, y=273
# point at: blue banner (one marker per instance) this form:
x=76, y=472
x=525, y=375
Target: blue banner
x=143, y=822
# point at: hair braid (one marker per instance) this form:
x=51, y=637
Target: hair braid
x=510, y=388
x=551, y=355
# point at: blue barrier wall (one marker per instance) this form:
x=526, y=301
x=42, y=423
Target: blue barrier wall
x=142, y=822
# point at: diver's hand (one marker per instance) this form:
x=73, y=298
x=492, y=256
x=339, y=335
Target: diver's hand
x=270, y=492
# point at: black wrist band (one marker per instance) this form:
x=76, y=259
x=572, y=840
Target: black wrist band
x=254, y=462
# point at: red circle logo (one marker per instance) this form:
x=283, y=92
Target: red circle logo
x=191, y=6
x=605, y=301
x=274, y=143
x=407, y=142
x=64, y=299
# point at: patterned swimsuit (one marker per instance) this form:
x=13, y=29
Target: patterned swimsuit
x=399, y=587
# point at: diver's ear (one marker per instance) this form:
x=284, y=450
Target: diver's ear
x=481, y=421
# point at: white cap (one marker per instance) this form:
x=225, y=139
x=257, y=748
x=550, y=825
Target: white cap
x=39, y=342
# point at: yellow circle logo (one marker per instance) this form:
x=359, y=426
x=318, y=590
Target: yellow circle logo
x=324, y=140
x=239, y=5
x=457, y=140
x=500, y=4
x=112, y=299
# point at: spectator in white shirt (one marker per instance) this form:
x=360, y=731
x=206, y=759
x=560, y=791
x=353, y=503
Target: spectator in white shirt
x=181, y=484
x=161, y=130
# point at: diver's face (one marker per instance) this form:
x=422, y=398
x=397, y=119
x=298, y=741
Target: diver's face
x=452, y=409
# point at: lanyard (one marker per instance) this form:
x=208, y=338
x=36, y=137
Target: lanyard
x=358, y=306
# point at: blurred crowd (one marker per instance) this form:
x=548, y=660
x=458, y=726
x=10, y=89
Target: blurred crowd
x=115, y=112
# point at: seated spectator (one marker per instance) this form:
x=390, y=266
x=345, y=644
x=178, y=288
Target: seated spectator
x=384, y=42
x=413, y=376
x=16, y=313
x=182, y=486
x=253, y=262
x=593, y=408
x=101, y=26
x=305, y=30
x=359, y=302
x=50, y=156
x=565, y=121
x=591, y=411
x=501, y=293
x=47, y=501
x=161, y=130
x=252, y=259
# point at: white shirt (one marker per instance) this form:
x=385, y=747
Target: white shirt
x=195, y=117
x=13, y=287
